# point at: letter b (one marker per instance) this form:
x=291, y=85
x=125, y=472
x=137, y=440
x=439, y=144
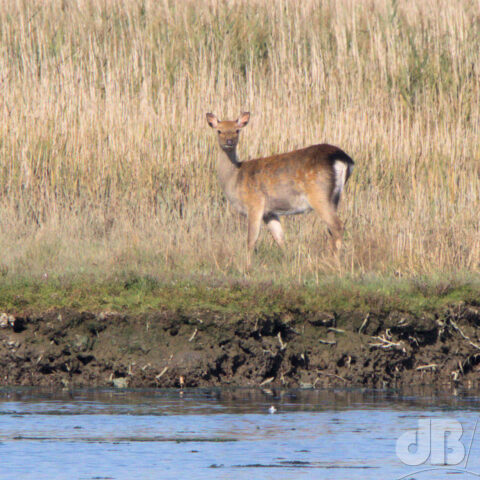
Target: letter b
x=447, y=449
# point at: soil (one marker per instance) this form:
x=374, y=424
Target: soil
x=65, y=348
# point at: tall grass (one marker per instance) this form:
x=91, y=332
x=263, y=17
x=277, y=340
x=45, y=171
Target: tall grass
x=107, y=163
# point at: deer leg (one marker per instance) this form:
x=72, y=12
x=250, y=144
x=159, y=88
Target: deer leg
x=255, y=215
x=275, y=227
x=327, y=212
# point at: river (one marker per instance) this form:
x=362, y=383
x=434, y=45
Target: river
x=238, y=434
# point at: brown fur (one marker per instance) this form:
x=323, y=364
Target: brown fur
x=284, y=184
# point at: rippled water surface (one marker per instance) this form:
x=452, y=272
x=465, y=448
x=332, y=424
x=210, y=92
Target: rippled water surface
x=231, y=434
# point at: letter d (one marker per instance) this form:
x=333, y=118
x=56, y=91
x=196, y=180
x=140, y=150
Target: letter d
x=413, y=446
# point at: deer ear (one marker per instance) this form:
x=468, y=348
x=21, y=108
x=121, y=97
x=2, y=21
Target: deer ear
x=243, y=119
x=212, y=120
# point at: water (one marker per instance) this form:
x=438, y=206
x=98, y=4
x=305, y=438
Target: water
x=230, y=434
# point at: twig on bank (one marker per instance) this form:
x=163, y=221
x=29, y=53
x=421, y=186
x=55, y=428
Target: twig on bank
x=432, y=366
x=267, y=381
x=458, y=329
x=364, y=324
x=193, y=335
x=384, y=343
x=336, y=330
x=157, y=377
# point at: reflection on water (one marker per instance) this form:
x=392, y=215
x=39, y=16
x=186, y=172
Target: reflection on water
x=226, y=434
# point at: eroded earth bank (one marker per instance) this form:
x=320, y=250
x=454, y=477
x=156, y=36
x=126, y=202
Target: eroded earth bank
x=65, y=348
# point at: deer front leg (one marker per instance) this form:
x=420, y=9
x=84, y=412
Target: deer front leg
x=255, y=215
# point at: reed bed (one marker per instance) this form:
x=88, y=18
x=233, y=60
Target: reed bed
x=107, y=162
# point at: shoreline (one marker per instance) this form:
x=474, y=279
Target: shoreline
x=66, y=348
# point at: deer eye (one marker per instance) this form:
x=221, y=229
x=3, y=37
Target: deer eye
x=238, y=131
x=218, y=131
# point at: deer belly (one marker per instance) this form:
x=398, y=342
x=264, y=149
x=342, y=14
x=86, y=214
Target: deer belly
x=289, y=206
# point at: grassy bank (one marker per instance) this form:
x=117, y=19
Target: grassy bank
x=143, y=294
x=107, y=164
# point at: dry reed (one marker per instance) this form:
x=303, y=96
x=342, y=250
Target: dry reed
x=107, y=163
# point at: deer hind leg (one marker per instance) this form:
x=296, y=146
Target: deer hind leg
x=275, y=227
x=327, y=212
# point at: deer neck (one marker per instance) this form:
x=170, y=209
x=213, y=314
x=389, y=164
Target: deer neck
x=228, y=166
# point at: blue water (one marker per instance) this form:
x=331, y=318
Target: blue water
x=229, y=434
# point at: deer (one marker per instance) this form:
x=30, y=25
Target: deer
x=296, y=182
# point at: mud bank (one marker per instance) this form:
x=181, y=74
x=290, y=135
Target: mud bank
x=65, y=348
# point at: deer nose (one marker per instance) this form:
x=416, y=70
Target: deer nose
x=229, y=141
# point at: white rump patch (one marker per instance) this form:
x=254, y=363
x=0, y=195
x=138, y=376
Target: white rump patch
x=340, y=169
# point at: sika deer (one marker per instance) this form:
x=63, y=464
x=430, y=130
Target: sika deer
x=283, y=184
